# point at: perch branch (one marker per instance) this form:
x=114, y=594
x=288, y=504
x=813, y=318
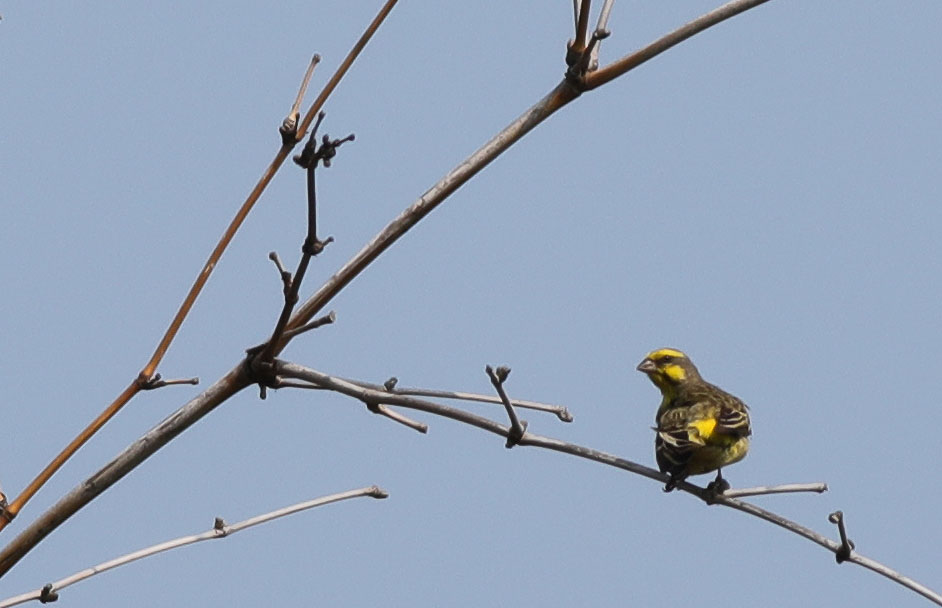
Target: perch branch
x=292, y=370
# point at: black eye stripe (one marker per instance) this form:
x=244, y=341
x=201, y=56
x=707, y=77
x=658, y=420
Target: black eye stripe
x=667, y=359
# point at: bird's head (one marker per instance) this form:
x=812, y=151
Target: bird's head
x=668, y=368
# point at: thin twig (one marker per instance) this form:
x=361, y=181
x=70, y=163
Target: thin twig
x=629, y=62
x=517, y=427
x=847, y=546
x=395, y=416
x=220, y=530
x=602, y=25
x=158, y=382
x=817, y=488
x=311, y=247
x=559, y=411
x=582, y=27
x=289, y=127
x=318, y=322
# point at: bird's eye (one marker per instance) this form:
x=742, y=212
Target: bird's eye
x=667, y=359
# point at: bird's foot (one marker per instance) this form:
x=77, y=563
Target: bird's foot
x=671, y=484
x=716, y=488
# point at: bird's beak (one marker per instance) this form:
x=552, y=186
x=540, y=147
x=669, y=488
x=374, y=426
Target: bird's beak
x=647, y=366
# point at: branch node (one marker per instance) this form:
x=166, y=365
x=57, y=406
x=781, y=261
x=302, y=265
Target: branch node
x=314, y=246
x=47, y=594
x=289, y=129
x=5, y=511
x=390, y=385
x=219, y=525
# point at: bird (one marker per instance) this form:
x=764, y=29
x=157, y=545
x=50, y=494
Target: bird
x=700, y=427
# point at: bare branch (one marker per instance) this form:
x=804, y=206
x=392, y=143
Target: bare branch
x=517, y=427
x=782, y=489
x=629, y=62
x=344, y=66
x=289, y=126
x=395, y=416
x=847, y=546
x=293, y=370
x=124, y=463
x=50, y=591
x=158, y=382
x=559, y=411
x=602, y=26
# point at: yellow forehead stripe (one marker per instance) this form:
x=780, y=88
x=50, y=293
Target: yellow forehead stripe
x=665, y=352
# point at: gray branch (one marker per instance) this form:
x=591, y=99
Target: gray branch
x=293, y=370
x=50, y=591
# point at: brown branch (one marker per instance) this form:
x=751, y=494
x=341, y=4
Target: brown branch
x=147, y=373
x=124, y=463
x=629, y=62
x=344, y=66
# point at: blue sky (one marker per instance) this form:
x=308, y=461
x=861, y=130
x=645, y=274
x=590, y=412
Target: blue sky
x=764, y=196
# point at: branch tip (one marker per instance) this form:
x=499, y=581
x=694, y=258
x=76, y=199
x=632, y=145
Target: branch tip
x=377, y=492
x=564, y=415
